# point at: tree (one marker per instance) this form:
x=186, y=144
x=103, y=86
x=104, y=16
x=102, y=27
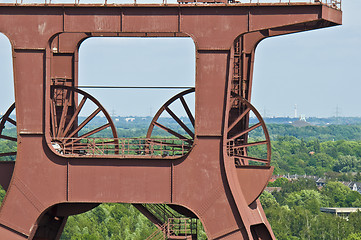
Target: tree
x=327, y=226
x=353, y=198
x=355, y=221
x=109, y=221
x=2, y=194
x=279, y=182
x=311, y=200
x=325, y=161
x=337, y=193
x=267, y=200
x=354, y=236
x=347, y=163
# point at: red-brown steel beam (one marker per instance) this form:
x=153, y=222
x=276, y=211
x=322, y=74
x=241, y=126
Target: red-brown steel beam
x=45, y=40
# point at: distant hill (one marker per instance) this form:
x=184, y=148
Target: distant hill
x=322, y=133
x=314, y=120
x=323, y=129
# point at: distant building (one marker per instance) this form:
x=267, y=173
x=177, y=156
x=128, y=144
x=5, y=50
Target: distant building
x=301, y=122
x=293, y=177
x=354, y=186
x=273, y=189
x=275, y=177
x=320, y=182
x=130, y=119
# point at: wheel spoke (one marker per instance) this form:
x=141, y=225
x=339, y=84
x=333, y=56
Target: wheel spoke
x=179, y=122
x=12, y=121
x=95, y=130
x=253, y=159
x=7, y=154
x=173, y=144
x=188, y=111
x=8, y=138
x=53, y=117
x=75, y=115
x=238, y=119
x=64, y=114
x=246, y=131
x=250, y=144
x=180, y=136
x=238, y=130
x=4, y=120
x=87, y=120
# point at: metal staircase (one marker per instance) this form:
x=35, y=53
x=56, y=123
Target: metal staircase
x=171, y=224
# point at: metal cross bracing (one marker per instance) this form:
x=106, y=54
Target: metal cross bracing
x=208, y=171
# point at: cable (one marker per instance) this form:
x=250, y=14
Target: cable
x=134, y=87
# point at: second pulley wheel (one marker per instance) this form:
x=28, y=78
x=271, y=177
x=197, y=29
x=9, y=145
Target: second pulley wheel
x=182, y=128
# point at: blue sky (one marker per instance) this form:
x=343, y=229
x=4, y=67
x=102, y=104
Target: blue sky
x=317, y=70
x=136, y=62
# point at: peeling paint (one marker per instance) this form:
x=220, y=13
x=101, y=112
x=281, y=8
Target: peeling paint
x=41, y=28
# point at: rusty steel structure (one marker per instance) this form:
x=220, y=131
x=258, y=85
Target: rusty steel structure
x=206, y=172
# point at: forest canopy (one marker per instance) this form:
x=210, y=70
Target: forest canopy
x=332, y=152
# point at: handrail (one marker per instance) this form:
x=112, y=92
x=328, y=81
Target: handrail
x=161, y=147
x=173, y=223
x=331, y=3
x=337, y=4
x=181, y=227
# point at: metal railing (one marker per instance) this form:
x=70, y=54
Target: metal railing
x=173, y=223
x=181, y=227
x=332, y=3
x=161, y=147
